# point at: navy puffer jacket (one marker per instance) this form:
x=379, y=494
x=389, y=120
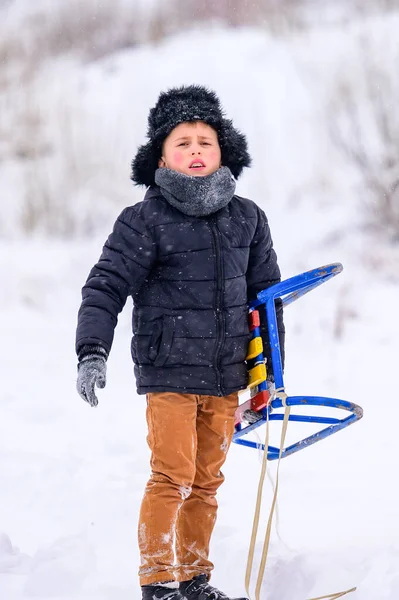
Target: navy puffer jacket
x=190, y=279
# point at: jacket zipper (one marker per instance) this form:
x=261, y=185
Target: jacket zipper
x=219, y=314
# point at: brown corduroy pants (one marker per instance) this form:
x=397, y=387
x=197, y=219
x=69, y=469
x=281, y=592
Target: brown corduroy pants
x=189, y=436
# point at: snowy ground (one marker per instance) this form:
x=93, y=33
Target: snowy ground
x=71, y=478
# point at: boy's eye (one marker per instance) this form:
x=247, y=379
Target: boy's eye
x=183, y=144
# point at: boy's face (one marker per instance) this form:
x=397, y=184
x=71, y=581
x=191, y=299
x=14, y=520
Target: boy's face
x=192, y=149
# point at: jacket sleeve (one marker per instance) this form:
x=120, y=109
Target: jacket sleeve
x=263, y=272
x=126, y=260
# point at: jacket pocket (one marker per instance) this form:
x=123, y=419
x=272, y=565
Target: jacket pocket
x=161, y=340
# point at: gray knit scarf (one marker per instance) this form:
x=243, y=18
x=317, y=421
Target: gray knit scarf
x=196, y=196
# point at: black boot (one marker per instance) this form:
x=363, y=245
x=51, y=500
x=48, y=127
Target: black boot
x=159, y=591
x=198, y=588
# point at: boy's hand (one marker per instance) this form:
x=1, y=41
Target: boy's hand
x=92, y=371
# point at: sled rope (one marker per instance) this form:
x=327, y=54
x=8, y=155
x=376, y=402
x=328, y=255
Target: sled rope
x=278, y=393
x=335, y=596
x=258, y=505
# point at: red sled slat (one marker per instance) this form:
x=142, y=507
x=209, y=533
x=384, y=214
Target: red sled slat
x=254, y=320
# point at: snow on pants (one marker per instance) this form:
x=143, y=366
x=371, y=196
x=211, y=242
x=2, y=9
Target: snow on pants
x=189, y=436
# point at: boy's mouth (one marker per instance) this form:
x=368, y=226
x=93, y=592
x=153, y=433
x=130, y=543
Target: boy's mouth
x=197, y=164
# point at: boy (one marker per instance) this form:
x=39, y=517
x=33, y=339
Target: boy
x=191, y=255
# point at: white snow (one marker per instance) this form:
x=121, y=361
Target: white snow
x=72, y=477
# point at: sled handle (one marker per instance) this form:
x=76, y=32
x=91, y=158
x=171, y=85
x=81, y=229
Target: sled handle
x=288, y=291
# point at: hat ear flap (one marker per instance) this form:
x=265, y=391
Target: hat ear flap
x=144, y=165
x=234, y=147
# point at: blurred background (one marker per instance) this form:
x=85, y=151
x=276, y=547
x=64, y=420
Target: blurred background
x=314, y=84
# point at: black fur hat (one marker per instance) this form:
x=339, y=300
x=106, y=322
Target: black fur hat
x=181, y=105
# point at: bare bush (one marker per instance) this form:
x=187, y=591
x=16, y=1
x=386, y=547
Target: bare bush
x=377, y=5
x=88, y=29
x=65, y=183
x=365, y=128
x=74, y=190
x=94, y=29
x=275, y=15
x=91, y=31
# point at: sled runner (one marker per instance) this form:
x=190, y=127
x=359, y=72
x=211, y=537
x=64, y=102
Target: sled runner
x=266, y=397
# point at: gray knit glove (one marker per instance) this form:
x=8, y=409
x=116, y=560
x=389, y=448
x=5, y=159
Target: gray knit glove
x=92, y=371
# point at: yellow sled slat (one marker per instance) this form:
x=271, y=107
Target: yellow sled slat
x=255, y=347
x=256, y=375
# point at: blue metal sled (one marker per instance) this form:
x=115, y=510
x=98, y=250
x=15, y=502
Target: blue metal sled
x=262, y=402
